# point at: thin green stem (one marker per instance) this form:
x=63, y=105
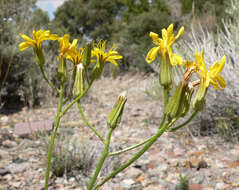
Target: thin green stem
x=137, y=155
x=102, y=159
x=184, y=123
x=78, y=98
x=56, y=124
x=166, y=93
x=89, y=124
x=48, y=82
x=129, y=148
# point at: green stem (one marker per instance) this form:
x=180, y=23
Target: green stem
x=102, y=159
x=129, y=148
x=138, y=154
x=48, y=82
x=89, y=124
x=78, y=98
x=166, y=93
x=56, y=124
x=184, y=123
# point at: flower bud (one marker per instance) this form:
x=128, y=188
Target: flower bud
x=62, y=74
x=200, y=100
x=187, y=100
x=87, y=55
x=78, y=86
x=115, y=115
x=179, y=103
x=166, y=74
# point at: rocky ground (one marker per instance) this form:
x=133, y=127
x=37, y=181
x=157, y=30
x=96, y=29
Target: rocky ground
x=208, y=162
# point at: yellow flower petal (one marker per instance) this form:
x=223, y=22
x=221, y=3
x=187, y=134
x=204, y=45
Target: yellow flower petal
x=176, y=60
x=221, y=81
x=23, y=46
x=26, y=38
x=180, y=32
x=152, y=54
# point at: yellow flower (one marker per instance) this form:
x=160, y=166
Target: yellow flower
x=67, y=49
x=76, y=55
x=212, y=75
x=99, y=50
x=164, y=45
x=38, y=37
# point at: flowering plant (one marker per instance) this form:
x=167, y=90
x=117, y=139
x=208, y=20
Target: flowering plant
x=175, y=106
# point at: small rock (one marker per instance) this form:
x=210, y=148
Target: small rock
x=37, y=187
x=3, y=154
x=151, y=187
x=18, y=160
x=199, y=178
x=4, y=171
x=220, y=186
x=59, y=180
x=202, y=164
x=133, y=172
x=16, y=184
x=4, y=120
x=18, y=168
x=196, y=163
x=7, y=177
x=127, y=183
x=9, y=144
x=72, y=179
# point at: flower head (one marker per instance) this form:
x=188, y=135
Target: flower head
x=212, y=75
x=38, y=37
x=164, y=45
x=99, y=50
x=76, y=55
x=67, y=49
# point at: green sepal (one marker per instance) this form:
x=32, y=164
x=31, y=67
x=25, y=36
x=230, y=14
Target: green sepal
x=97, y=70
x=40, y=58
x=166, y=73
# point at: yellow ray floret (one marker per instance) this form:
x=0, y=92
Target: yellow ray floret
x=67, y=49
x=163, y=45
x=103, y=56
x=212, y=75
x=38, y=37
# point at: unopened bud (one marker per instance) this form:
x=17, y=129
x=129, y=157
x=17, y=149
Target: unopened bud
x=62, y=73
x=200, y=100
x=179, y=103
x=115, y=115
x=78, y=86
x=87, y=55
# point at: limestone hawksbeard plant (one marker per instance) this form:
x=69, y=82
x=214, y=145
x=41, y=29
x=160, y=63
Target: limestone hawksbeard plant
x=85, y=65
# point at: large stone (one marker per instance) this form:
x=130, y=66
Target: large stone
x=30, y=128
x=9, y=144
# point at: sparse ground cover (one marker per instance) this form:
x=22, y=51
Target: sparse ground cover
x=208, y=162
